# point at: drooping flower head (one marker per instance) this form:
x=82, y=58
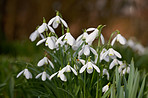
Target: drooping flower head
x=44, y=75
x=26, y=73
x=55, y=21
x=45, y=60
x=119, y=38
x=89, y=65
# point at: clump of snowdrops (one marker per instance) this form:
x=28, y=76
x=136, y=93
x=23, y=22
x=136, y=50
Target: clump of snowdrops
x=74, y=67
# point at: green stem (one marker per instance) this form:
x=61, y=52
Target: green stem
x=84, y=83
x=97, y=88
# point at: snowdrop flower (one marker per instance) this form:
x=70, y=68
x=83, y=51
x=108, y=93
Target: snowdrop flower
x=115, y=62
x=26, y=73
x=55, y=21
x=44, y=75
x=126, y=70
x=106, y=58
x=121, y=67
x=89, y=65
x=86, y=50
x=80, y=40
x=120, y=39
x=50, y=42
x=111, y=53
x=67, y=38
x=43, y=61
x=34, y=35
x=105, y=88
x=105, y=72
x=92, y=36
x=60, y=74
x=68, y=68
x=44, y=27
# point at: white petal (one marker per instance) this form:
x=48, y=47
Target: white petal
x=34, y=35
x=55, y=24
x=89, y=68
x=30, y=75
x=102, y=39
x=97, y=69
x=73, y=71
x=60, y=39
x=26, y=73
x=44, y=76
x=51, y=29
x=50, y=43
x=51, y=64
x=117, y=54
x=52, y=75
x=121, y=39
x=64, y=23
x=68, y=68
x=113, y=41
x=79, y=38
x=69, y=38
x=93, y=51
x=63, y=77
x=41, y=62
x=90, y=29
x=91, y=37
x=42, y=28
x=38, y=75
x=83, y=68
x=106, y=72
x=51, y=20
x=113, y=63
x=41, y=41
x=82, y=61
x=105, y=88
x=20, y=73
x=128, y=69
x=86, y=50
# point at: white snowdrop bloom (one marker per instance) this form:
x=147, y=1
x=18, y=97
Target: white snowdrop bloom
x=34, y=35
x=80, y=40
x=89, y=65
x=67, y=38
x=43, y=61
x=86, y=51
x=105, y=72
x=92, y=36
x=105, y=88
x=120, y=39
x=121, y=67
x=50, y=42
x=126, y=70
x=68, y=68
x=106, y=58
x=44, y=27
x=115, y=62
x=60, y=74
x=26, y=73
x=55, y=21
x=111, y=53
x=44, y=75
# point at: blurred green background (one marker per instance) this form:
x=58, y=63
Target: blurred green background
x=19, y=18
